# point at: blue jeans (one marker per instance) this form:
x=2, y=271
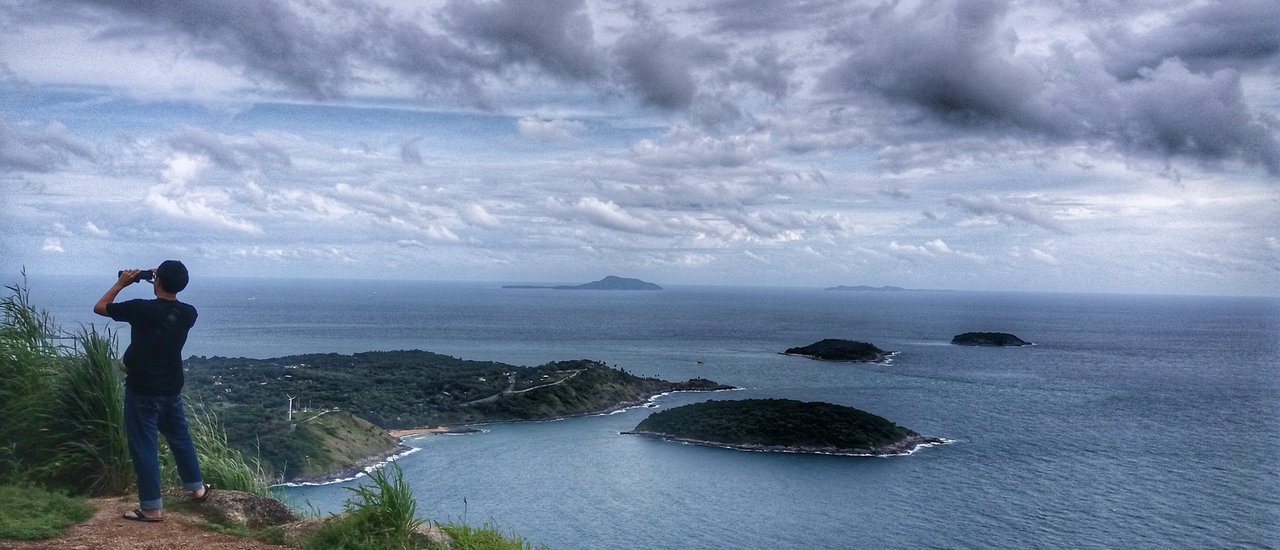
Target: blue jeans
x=145, y=416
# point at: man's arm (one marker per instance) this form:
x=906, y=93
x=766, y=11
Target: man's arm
x=126, y=279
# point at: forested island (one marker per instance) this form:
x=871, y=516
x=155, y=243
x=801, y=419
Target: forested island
x=993, y=339
x=833, y=349
x=608, y=283
x=783, y=425
x=336, y=398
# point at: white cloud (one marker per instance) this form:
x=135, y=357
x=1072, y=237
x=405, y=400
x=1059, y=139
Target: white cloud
x=549, y=130
x=52, y=244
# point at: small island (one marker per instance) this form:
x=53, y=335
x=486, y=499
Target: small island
x=833, y=349
x=783, y=425
x=990, y=339
x=608, y=283
x=865, y=288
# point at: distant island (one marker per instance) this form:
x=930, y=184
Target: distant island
x=783, y=425
x=608, y=283
x=832, y=349
x=343, y=405
x=865, y=288
x=992, y=339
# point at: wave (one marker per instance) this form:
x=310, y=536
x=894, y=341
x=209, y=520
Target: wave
x=366, y=470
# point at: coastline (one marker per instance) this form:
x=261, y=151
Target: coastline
x=881, y=358
x=352, y=472
x=903, y=447
x=401, y=450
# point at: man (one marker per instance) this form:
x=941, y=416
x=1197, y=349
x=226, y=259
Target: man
x=153, y=382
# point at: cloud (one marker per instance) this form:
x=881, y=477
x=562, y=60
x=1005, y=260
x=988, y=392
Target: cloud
x=267, y=39
x=26, y=148
x=607, y=214
x=966, y=66
x=548, y=130
x=1006, y=211
x=52, y=244
x=1206, y=38
x=410, y=152
x=476, y=216
x=555, y=35
x=660, y=66
x=178, y=198
x=227, y=152
x=96, y=231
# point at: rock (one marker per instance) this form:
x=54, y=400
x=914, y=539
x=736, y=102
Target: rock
x=238, y=508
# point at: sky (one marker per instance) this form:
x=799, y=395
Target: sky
x=1032, y=145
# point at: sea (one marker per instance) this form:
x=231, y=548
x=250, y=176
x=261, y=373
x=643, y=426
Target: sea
x=1134, y=421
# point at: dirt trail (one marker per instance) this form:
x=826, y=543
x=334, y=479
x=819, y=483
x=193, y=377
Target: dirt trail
x=107, y=530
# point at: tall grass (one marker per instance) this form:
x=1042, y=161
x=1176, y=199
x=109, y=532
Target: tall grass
x=62, y=411
x=220, y=464
x=28, y=362
x=87, y=416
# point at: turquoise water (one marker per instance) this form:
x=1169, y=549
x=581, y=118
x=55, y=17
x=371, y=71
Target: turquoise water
x=1134, y=422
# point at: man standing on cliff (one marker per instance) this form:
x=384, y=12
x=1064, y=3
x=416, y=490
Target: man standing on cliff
x=153, y=382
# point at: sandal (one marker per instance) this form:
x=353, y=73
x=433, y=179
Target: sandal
x=139, y=515
x=207, y=490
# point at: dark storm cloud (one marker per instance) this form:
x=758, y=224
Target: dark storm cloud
x=1205, y=39
x=959, y=63
x=661, y=66
x=948, y=58
x=754, y=16
x=554, y=34
x=265, y=37
x=657, y=67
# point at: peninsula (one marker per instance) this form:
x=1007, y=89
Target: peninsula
x=992, y=339
x=308, y=416
x=783, y=425
x=608, y=283
x=832, y=349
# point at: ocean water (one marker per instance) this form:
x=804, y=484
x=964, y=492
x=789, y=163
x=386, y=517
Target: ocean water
x=1134, y=422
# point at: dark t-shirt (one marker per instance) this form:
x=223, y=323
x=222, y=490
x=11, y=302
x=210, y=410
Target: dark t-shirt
x=157, y=331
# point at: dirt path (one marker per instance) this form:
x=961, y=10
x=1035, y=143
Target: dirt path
x=108, y=531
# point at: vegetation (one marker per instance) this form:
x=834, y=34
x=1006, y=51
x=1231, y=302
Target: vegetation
x=995, y=339
x=383, y=516
x=393, y=389
x=69, y=393
x=780, y=424
x=33, y=513
x=832, y=349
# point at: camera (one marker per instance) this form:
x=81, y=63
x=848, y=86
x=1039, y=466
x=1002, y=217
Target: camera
x=144, y=275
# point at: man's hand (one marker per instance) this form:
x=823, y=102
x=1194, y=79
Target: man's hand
x=126, y=278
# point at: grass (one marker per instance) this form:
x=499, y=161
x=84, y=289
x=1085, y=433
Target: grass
x=381, y=516
x=220, y=464
x=32, y=513
x=487, y=537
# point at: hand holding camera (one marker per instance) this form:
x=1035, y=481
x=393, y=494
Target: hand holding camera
x=139, y=275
